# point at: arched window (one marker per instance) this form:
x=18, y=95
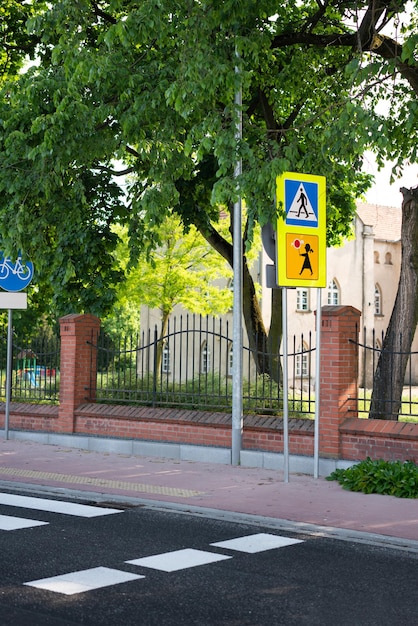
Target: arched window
x=388, y=258
x=333, y=293
x=377, y=300
x=205, y=358
x=376, y=257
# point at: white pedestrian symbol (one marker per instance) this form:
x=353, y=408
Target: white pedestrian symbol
x=301, y=207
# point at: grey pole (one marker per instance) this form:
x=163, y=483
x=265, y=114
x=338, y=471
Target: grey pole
x=8, y=372
x=237, y=418
x=285, y=388
x=318, y=381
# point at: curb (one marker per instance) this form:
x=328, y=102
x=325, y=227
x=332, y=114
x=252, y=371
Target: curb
x=329, y=532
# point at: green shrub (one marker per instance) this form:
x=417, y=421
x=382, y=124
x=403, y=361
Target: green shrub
x=392, y=478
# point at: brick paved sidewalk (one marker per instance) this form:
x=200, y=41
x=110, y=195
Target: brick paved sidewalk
x=251, y=491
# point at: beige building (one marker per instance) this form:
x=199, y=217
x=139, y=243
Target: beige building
x=362, y=273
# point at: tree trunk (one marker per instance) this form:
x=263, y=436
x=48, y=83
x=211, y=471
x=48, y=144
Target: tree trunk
x=391, y=367
x=275, y=334
x=160, y=343
x=265, y=347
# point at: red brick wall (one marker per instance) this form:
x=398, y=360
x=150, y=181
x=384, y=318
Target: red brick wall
x=77, y=368
x=359, y=438
x=338, y=374
x=379, y=439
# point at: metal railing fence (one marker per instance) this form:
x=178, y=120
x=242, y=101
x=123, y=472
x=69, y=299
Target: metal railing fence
x=370, y=347
x=35, y=369
x=191, y=367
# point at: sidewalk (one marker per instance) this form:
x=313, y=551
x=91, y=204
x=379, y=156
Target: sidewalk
x=302, y=503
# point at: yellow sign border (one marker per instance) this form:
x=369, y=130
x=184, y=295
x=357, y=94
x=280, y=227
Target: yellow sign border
x=284, y=229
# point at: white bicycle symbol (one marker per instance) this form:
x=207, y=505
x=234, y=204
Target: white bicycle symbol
x=23, y=272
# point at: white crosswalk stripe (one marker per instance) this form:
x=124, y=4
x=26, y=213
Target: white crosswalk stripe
x=179, y=559
x=55, y=506
x=84, y=580
x=256, y=543
x=10, y=522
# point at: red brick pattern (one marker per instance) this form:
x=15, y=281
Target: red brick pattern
x=77, y=369
x=338, y=374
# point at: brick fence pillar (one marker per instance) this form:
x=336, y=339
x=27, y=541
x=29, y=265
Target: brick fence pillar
x=78, y=365
x=338, y=374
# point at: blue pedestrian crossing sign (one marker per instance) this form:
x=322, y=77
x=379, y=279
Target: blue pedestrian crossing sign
x=301, y=230
x=301, y=203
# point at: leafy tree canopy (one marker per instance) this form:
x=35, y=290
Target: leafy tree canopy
x=150, y=87
x=183, y=269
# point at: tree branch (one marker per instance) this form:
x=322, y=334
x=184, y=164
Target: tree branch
x=109, y=170
x=380, y=45
x=100, y=13
x=214, y=239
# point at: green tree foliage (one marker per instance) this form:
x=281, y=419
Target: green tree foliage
x=183, y=270
x=16, y=43
x=150, y=86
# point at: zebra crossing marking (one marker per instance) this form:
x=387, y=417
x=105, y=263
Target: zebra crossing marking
x=256, y=543
x=10, y=522
x=87, y=580
x=84, y=580
x=179, y=559
x=55, y=506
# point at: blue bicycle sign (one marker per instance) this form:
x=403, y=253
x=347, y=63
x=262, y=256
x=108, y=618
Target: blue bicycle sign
x=15, y=275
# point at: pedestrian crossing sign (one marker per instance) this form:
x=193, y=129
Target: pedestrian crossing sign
x=301, y=230
x=301, y=203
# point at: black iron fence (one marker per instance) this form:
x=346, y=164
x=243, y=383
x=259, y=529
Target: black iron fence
x=190, y=366
x=370, y=347
x=35, y=369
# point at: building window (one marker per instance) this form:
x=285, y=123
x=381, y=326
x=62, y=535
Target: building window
x=377, y=300
x=302, y=300
x=376, y=257
x=230, y=360
x=333, y=293
x=166, y=359
x=388, y=258
x=302, y=361
x=205, y=359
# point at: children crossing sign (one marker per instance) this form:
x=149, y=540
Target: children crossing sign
x=301, y=230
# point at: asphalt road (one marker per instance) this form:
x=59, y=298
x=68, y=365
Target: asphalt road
x=141, y=566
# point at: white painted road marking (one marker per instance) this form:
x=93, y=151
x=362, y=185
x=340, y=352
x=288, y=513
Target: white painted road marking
x=84, y=580
x=55, y=506
x=256, y=543
x=179, y=559
x=9, y=522
x=97, y=577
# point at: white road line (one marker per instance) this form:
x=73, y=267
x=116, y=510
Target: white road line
x=179, y=559
x=84, y=580
x=256, y=543
x=9, y=522
x=55, y=506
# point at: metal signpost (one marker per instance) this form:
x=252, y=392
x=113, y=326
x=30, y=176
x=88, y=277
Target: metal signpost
x=237, y=414
x=301, y=262
x=14, y=276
